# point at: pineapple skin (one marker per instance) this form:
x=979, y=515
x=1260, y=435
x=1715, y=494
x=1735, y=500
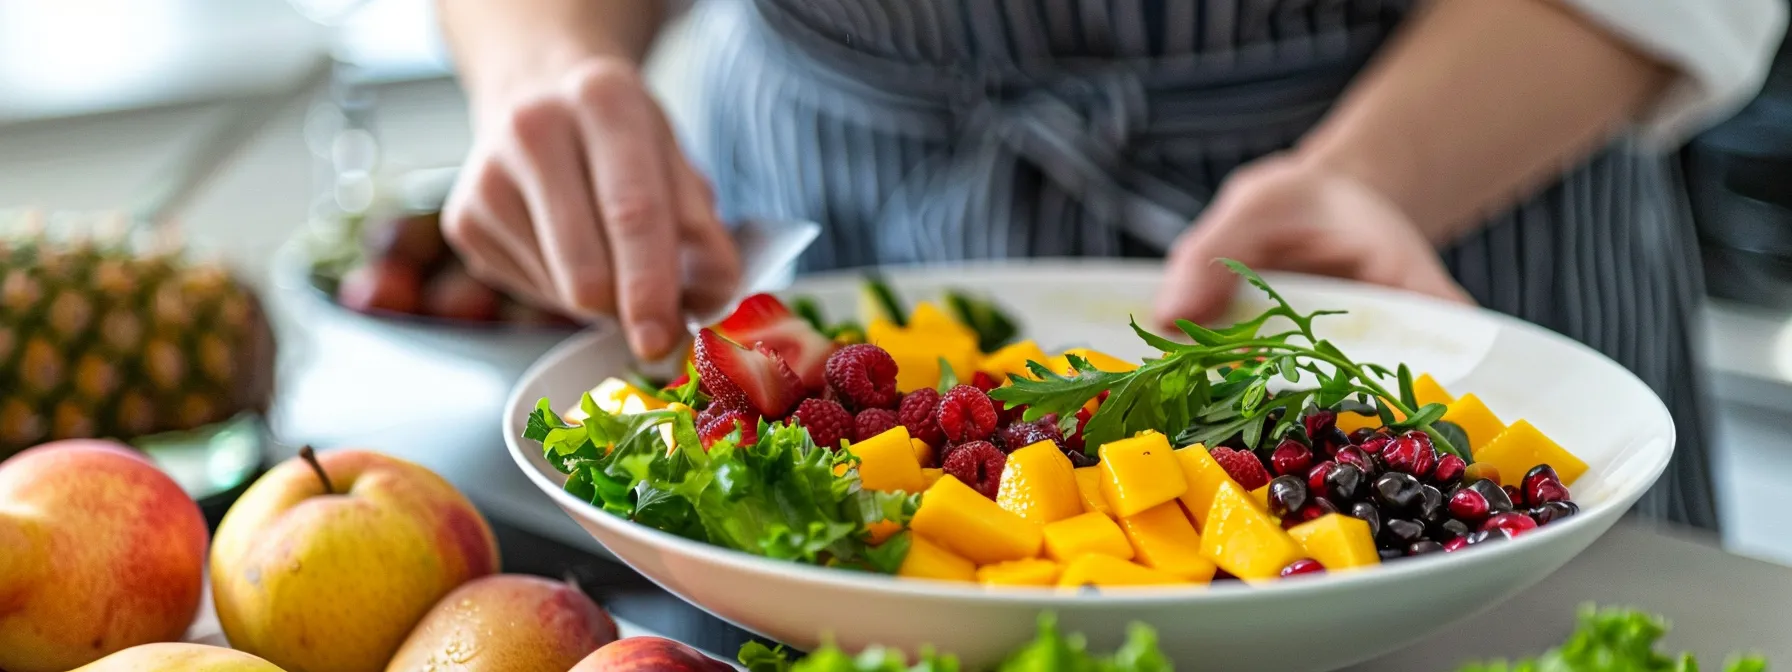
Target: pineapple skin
x=98, y=342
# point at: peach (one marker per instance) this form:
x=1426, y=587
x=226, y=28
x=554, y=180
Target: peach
x=649, y=654
x=515, y=623
x=103, y=552
x=328, y=560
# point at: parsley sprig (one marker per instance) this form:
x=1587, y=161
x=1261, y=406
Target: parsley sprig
x=1218, y=386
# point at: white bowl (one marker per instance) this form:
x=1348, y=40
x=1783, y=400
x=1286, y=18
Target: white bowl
x=1588, y=403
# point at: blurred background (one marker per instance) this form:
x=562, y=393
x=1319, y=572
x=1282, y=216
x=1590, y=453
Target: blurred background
x=103, y=102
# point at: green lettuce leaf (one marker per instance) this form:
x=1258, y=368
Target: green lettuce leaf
x=1614, y=640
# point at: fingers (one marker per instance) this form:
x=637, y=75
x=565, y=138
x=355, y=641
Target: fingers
x=1196, y=286
x=630, y=176
x=710, y=263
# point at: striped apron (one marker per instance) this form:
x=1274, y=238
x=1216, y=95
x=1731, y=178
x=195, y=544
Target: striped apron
x=932, y=131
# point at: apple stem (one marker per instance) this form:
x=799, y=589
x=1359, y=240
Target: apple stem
x=310, y=457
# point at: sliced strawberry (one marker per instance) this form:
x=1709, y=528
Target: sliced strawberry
x=740, y=378
x=763, y=320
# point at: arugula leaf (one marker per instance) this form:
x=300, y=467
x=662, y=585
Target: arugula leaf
x=1614, y=640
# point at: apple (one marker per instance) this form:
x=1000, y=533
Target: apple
x=99, y=551
x=516, y=623
x=179, y=658
x=649, y=654
x=455, y=294
x=383, y=285
x=327, y=561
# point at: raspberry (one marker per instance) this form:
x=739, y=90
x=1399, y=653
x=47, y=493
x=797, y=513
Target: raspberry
x=872, y=422
x=1243, y=466
x=864, y=375
x=978, y=464
x=984, y=381
x=828, y=423
x=966, y=414
x=719, y=427
x=916, y=413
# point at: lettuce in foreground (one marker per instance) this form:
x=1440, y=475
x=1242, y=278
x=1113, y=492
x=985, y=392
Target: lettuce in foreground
x=1614, y=640
x=781, y=497
x=1050, y=651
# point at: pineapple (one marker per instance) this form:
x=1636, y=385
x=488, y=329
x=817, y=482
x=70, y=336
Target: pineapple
x=98, y=341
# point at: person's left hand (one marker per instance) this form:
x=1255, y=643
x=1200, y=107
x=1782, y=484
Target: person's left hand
x=1280, y=213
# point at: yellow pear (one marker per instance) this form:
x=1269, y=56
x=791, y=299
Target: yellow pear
x=179, y=658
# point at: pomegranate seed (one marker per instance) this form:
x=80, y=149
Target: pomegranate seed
x=1316, y=475
x=1287, y=494
x=1423, y=547
x=1367, y=513
x=1553, y=511
x=1409, y=455
x=1516, y=495
x=1498, y=500
x=1375, y=444
x=1455, y=545
x=1345, y=483
x=1330, y=440
x=1291, y=458
x=1319, y=506
x=1469, y=505
x=1303, y=566
x=1361, y=435
x=1355, y=457
x=1510, y=524
x=1479, y=471
x=1318, y=421
x=1397, y=491
x=1544, y=492
x=1537, y=474
x=1449, y=470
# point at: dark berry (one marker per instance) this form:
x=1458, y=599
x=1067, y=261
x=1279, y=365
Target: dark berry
x=1361, y=434
x=1303, y=566
x=1318, y=420
x=916, y=412
x=1510, y=524
x=1409, y=455
x=1469, y=505
x=1551, y=512
x=977, y=464
x=1449, y=470
x=1075, y=440
x=1517, y=496
x=1080, y=459
x=864, y=375
x=1498, y=501
x=1431, y=507
x=1400, y=532
x=828, y=423
x=872, y=422
x=1329, y=440
x=1355, y=457
x=1344, y=483
x=1392, y=554
x=1423, y=547
x=1291, y=457
x=1243, y=466
x=1449, y=529
x=1479, y=471
x=1456, y=544
x=1316, y=475
x=1368, y=514
x=1287, y=494
x=1397, y=491
x=966, y=414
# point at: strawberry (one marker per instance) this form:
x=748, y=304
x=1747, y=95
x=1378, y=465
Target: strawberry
x=726, y=423
x=740, y=378
x=762, y=320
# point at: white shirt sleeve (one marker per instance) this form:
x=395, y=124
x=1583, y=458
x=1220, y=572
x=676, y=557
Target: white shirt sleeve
x=1721, y=48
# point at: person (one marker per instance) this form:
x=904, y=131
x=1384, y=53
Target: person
x=1514, y=154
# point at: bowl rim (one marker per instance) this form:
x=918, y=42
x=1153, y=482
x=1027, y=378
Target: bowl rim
x=1047, y=597
x=294, y=275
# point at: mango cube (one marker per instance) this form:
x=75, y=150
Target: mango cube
x=887, y=462
x=965, y=522
x=881, y=531
x=1163, y=539
x=1426, y=390
x=927, y=560
x=923, y=452
x=1337, y=541
x=1204, y=476
x=1088, y=485
x=930, y=476
x=928, y=318
x=1105, y=570
x=1087, y=533
x=618, y=397
x=1039, y=484
x=1011, y=360
x=1244, y=540
x=1261, y=497
x=918, y=355
x=1139, y=473
x=1476, y=420
x=1019, y=573
x=1521, y=447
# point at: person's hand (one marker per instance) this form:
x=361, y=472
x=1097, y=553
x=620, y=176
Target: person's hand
x=1283, y=214
x=576, y=196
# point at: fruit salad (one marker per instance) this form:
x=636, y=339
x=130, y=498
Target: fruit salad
x=930, y=443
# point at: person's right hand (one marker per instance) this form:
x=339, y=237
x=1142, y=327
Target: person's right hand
x=576, y=196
